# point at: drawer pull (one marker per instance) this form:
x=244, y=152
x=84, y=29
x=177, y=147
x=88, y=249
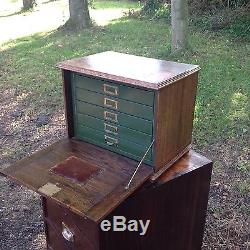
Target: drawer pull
x=110, y=129
x=66, y=233
x=109, y=89
x=109, y=116
x=110, y=141
x=109, y=103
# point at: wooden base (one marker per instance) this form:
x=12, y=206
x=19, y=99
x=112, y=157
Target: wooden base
x=175, y=205
x=156, y=175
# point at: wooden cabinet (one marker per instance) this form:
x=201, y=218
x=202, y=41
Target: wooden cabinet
x=75, y=204
x=117, y=105
x=123, y=102
x=176, y=203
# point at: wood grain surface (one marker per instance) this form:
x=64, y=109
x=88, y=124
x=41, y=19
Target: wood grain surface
x=175, y=205
x=174, y=119
x=97, y=196
x=129, y=69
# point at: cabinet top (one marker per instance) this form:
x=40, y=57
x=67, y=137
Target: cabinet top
x=129, y=69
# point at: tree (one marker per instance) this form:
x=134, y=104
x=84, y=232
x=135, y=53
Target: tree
x=179, y=23
x=79, y=14
x=28, y=4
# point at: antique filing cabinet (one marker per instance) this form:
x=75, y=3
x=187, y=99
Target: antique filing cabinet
x=175, y=203
x=122, y=109
x=127, y=103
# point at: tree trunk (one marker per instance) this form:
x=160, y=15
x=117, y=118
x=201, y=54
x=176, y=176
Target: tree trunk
x=28, y=4
x=179, y=23
x=79, y=14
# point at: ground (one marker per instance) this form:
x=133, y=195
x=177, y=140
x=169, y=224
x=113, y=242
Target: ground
x=32, y=116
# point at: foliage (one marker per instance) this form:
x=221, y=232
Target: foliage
x=204, y=6
x=157, y=9
x=234, y=22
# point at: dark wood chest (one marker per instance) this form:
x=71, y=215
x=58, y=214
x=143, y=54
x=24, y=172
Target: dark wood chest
x=127, y=116
x=123, y=103
x=175, y=203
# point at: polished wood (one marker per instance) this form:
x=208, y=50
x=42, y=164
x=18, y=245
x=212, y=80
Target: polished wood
x=174, y=120
x=173, y=86
x=85, y=231
x=176, y=205
x=94, y=198
x=129, y=69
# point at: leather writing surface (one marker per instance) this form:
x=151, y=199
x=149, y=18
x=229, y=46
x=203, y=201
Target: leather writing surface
x=76, y=169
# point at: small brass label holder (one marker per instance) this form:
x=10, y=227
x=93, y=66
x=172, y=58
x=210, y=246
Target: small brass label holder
x=109, y=89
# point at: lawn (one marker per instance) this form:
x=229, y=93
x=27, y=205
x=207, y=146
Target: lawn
x=30, y=86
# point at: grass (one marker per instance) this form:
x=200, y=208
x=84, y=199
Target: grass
x=222, y=108
x=221, y=125
x=116, y=5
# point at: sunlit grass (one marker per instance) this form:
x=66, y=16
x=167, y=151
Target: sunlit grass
x=49, y=15
x=116, y=4
x=222, y=107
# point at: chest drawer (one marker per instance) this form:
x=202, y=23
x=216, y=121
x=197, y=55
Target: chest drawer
x=59, y=219
x=118, y=118
x=113, y=142
x=113, y=89
x=114, y=129
x=114, y=103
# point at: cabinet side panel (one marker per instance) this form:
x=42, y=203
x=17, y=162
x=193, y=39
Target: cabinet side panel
x=67, y=91
x=176, y=210
x=175, y=113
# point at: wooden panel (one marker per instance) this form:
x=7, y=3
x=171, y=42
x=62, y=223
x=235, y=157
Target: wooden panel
x=84, y=230
x=176, y=207
x=93, y=199
x=129, y=69
x=115, y=89
x=113, y=103
x=174, y=119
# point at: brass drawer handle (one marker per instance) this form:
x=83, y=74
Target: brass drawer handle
x=66, y=233
x=109, y=116
x=110, y=103
x=109, y=89
x=110, y=129
x=110, y=141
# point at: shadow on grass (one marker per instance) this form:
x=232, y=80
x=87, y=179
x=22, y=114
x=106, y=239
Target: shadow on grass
x=13, y=14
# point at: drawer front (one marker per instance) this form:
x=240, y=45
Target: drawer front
x=113, y=142
x=114, y=103
x=114, y=129
x=125, y=120
x=116, y=90
x=59, y=220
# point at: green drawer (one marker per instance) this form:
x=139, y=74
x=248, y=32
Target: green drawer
x=113, y=103
x=113, y=89
x=114, y=129
x=122, y=119
x=113, y=143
